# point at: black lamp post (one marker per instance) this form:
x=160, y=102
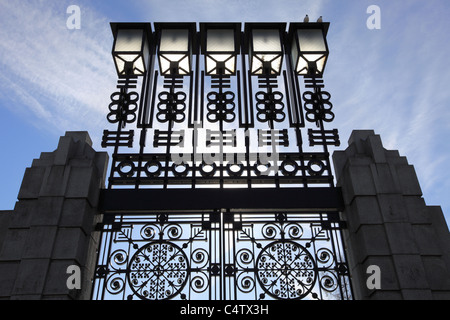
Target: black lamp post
x=220, y=44
x=265, y=47
x=231, y=84
x=175, y=47
x=131, y=48
x=309, y=48
x=192, y=76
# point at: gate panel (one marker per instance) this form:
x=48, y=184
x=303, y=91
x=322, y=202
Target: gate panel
x=222, y=255
x=187, y=141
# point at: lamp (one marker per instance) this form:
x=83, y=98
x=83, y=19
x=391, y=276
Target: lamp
x=309, y=48
x=131, y=48
x=265, y=47
x=220, y=43
x=175, y=47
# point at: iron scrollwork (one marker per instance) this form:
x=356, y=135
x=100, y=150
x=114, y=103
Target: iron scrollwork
x=270, y=106
x=158, y=271
x=220, y=255
x=223, y=255
x=171, y=107
x=286, y=270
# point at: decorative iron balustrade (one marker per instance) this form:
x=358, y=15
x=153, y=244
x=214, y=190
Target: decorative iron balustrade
x=222, y=256
x=183, y=128
x=167, y=122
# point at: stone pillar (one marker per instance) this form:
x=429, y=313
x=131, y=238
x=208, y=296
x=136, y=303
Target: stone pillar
x=51, y=226
x=389, y=224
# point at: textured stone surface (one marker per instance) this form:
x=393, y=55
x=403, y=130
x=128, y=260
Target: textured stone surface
x=389, y=224
x=51, y=225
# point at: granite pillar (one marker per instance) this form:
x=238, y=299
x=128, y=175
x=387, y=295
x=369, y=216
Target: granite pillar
x=389, y=224
x=51, y=226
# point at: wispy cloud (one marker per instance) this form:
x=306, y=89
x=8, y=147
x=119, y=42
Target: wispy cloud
x=62, y=77
x=393, y=81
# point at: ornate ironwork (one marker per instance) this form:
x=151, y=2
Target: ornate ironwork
x=201, y=131
x=174, y=111
x=222, y=255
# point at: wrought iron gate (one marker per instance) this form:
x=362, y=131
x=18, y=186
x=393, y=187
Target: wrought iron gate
x=222, y=255
x=236, y=136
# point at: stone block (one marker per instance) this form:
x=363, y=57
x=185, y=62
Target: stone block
x=56, y=281
x=374, y=147
x=357, y=181
x=389, y=224
x=66, y=150
x=362, y=211
x=412, y=294
x=91, y=259
x=47, y=211
x=410, y=272
x=393, y=157
x=358, y=137
x=440, y=295
x=401, y=238
x=31, y=277
x=339, y=161
x=389, y=283
x=357, y=278
x=13, y=245
x=349, y=242
x=5, y=220
x=8, y=272
x=77, y=213
x=409, y=182
x=392, y=208
x=437, y=273
x=426, y=239
x=31, y=183
x=389, y=280
x=80, y=182
x=45, y=160
x=84, y=152
x=55, y=181
x=383, y=295
x=27, y=297
x=359, y=160
x=370, y=240
x=71, y=243
x=82, y=162
x=416, y=210
x=60, y=297
x=23, y=211
x=101, y=162
x=84, y=183
x=79, y=136
x=440, y=226
x=39, y=243
x=385, y=179
x=51, y=224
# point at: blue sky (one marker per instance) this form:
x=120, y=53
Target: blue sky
x=393, y=80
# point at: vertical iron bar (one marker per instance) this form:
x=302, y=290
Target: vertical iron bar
x=202, y=97
x=288, y=98
x=238, y=86
x=250, y=89
x=152, y=107
x=221, y=253
x=244, y=83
